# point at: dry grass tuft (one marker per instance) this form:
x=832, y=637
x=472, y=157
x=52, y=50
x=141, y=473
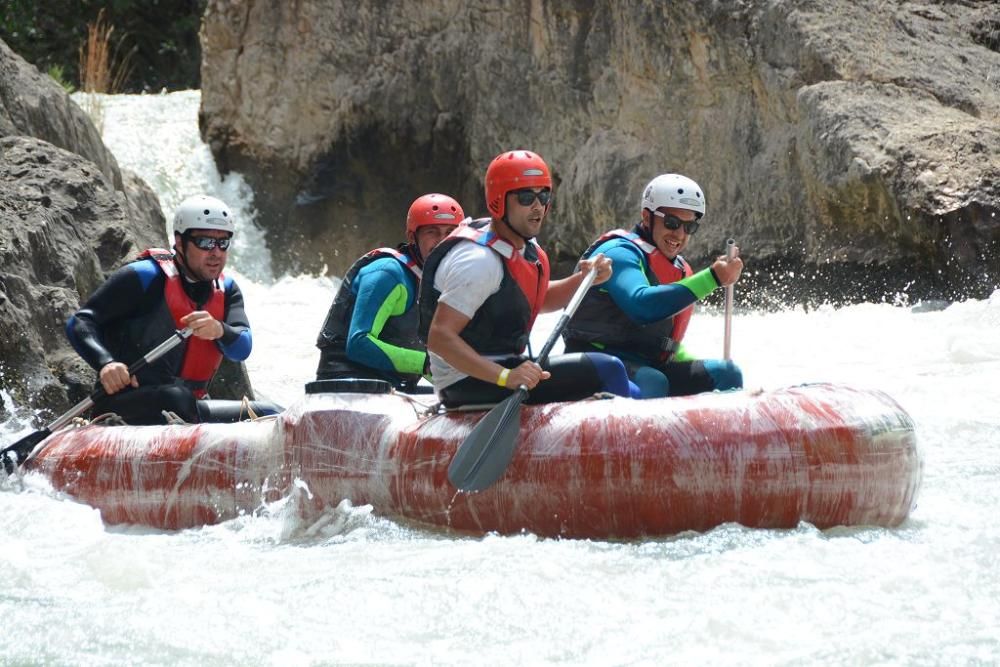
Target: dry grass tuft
x=103, y=69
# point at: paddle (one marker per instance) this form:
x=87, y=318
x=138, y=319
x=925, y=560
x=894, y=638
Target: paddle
x=487, y=451
x=728, y=340
x=21, y=450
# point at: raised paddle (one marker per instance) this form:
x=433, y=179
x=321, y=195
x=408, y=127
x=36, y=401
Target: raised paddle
x=487, y=451
x=21, y=450
x=728, y=340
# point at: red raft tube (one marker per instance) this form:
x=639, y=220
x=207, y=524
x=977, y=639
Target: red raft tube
x=826, y=454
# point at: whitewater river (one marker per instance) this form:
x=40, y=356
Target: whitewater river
x=268, y=590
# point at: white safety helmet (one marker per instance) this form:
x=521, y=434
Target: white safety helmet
x=203, y=212
x=674, y=191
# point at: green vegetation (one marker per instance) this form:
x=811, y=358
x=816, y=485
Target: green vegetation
x=56, y=72
x=162, y=36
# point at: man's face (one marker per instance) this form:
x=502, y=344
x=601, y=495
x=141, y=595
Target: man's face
x=669, y=241
x=526, y=218
x=204, y=264
x=428, y=236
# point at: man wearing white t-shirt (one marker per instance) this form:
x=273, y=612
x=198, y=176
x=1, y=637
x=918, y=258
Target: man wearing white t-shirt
x=485, y=284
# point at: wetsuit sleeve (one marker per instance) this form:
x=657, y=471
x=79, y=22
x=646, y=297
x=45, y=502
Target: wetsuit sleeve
x=383, y=291
x=682, y=354
x=236, y=341
x=642, y=302
x=131, y=291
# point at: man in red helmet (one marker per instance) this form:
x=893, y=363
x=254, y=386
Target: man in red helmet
x=371, y=328
x=485, y=284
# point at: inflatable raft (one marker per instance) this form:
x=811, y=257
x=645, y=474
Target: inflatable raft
x=825, y=454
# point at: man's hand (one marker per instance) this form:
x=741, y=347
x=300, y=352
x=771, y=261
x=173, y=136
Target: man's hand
x=203, y=325
x=528, y=373
x=603, y=265
x=727, y=270
x=114, y=377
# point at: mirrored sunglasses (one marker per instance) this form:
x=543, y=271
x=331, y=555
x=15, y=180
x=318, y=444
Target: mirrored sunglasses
x=526, y=197
x=673, y=222
x=209, y=242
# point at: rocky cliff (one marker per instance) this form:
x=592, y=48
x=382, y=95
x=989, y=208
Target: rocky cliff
x=68, y=216
x=835, y=138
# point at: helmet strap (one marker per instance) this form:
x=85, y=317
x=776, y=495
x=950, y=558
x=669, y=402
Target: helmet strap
x=180, y=259
x=645, y=229
x=511, y=227
x=412, y=250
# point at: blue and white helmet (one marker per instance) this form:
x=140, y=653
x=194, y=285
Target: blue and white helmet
x=674, y=191
x=203, y=212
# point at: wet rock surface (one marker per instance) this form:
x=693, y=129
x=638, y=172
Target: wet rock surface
x=828, y=136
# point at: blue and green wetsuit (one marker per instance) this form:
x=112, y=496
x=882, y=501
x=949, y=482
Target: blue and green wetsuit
x=640, y=316
x=370, y=330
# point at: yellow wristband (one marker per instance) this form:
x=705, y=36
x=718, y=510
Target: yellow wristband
x=502, y=380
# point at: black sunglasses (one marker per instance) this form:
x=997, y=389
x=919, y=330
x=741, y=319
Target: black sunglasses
x=526, y=197
x=209, y=242
x=673, y=222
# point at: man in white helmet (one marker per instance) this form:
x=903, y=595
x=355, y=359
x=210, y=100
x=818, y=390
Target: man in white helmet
x=145, y=301
x=640, y=315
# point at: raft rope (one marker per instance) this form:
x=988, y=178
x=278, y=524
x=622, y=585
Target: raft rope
x=419, y=407
x=105, y=419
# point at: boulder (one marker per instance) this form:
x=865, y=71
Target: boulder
x=63, y=229
x=34, y=105
x=833, y=139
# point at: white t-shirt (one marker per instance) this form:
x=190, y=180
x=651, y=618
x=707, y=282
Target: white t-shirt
x=467, y=276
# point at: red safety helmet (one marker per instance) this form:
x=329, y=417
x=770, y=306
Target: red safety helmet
x=433, y=209
x=512, y=171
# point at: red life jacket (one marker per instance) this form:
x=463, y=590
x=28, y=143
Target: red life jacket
x=503, y=322
x=666, y=271
x=600, y=321
x=532, y=277
x=201, y=357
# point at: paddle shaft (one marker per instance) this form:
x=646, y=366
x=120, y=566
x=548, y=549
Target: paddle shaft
x=488, y=449
x=175, y=339
x=728, y=339
x=571, y=307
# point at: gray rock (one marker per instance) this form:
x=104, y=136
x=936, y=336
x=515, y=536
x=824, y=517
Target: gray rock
x=33, y=104
x=834, y=139
x=63, y=228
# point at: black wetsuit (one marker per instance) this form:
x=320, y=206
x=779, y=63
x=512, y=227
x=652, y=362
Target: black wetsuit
x=128, y=316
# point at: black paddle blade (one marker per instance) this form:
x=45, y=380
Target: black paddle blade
x=15, y=454
x=486, y=452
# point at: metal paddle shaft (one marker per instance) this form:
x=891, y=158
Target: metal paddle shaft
x=728, y=340
x=487, y=451
x=24, y=448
